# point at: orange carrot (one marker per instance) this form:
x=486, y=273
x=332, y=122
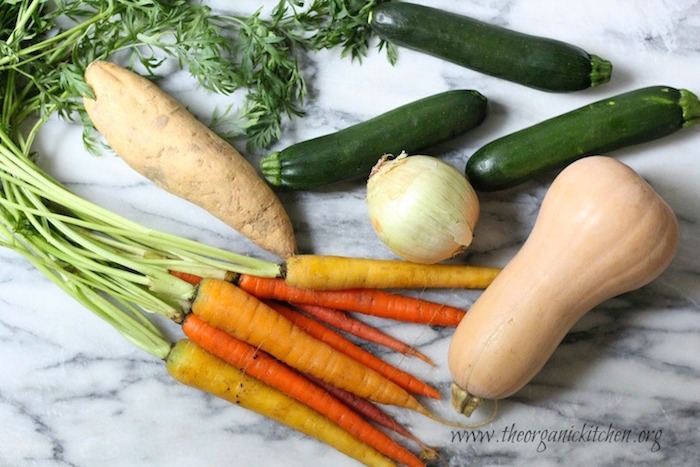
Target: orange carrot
x=343, y=321
x=322, y=333
x=371, y=412
x=191, y=365
x=368, y=301
x=227, y=307
x=266, y=288
x=187, y=277
x=317, y=330
x=338, y=272
x=262, y=366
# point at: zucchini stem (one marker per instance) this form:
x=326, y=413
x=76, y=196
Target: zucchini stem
x=690, y=104
x=601, y=70
x=271, y=168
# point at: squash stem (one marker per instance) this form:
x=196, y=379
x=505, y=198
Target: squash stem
x=463, y=402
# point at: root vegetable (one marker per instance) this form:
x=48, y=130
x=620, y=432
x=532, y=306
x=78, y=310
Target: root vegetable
x=324, y=334
x=422, y=208
x=161, y=140
x=367, y=301
x=191, y=365
x=258, y=364
x=324, y=272
x=229, y=308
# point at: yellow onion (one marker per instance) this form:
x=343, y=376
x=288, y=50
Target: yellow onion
x=422, y=208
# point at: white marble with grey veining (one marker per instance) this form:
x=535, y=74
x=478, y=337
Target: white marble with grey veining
x=75, y=393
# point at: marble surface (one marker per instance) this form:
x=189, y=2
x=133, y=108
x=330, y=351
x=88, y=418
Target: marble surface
x=74, y=392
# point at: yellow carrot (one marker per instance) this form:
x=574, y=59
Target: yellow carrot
x=191, y=365
x=340, y=272
x=276, y=374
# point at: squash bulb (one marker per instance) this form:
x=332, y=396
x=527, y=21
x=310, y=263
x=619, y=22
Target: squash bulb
x=422, y=208
x=601, y=231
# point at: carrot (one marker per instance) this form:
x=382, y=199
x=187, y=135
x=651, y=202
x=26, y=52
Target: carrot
x=339, y=272
x=225, y=306
x=371, y=412
x=272, y=372
x=191, y=365
x=322, y=333
x=368, y=301
x=357, y=328
x=162, y=141
x=187, y=277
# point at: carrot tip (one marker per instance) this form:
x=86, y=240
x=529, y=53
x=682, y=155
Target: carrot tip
x=415, y=353
x=424, y=411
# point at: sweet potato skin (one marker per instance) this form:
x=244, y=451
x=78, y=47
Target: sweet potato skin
x=160, y=139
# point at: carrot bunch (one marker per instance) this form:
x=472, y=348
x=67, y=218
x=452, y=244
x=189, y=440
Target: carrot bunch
x=283, y=337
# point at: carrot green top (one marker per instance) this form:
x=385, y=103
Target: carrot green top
x=115, y=267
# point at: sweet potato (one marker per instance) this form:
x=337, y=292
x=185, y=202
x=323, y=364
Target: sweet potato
x=161, y=140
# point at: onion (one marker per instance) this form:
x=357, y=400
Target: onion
x=422, y=208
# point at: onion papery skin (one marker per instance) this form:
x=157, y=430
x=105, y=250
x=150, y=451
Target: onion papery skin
x=423, y=209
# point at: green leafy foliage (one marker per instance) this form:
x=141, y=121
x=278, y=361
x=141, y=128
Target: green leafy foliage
x=48, y=44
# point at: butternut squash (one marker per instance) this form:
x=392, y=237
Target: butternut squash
x=601, y=231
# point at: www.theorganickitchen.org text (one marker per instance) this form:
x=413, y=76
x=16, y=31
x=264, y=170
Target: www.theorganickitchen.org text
x=542, y=439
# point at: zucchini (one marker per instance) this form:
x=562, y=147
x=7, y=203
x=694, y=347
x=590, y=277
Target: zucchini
x=538, y=62
x=352, y=152
x=634, y=117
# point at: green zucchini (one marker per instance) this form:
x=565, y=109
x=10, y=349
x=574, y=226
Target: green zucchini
x=634, y=117
x=538, y=62
x=351, y=153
